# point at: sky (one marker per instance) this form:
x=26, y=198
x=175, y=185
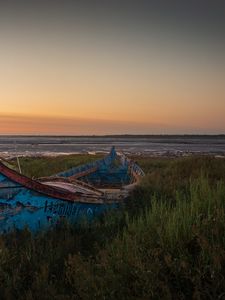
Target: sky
x=112, y=67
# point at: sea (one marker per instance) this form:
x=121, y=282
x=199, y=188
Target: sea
x=151, y=145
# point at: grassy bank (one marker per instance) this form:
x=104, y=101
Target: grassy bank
x=166, y=242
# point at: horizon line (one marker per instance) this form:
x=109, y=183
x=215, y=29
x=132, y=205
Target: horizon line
x=113, y=135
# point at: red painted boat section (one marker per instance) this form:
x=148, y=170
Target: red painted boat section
x=46, y=190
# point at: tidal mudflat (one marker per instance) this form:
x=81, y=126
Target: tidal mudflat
x=143, y=145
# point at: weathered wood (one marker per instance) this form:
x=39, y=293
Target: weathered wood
x=84, y=173
x=39, y=187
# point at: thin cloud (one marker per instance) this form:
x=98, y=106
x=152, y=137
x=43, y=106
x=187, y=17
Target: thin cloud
x=10, y=124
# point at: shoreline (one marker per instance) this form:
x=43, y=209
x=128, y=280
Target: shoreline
x=141, y=154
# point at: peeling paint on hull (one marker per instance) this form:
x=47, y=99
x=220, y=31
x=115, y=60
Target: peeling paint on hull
x=20, y=207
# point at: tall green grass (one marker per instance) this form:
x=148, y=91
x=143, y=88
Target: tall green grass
x=166, y=242
x=168, y=251
x=47, y=166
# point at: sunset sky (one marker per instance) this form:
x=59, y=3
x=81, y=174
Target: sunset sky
x=107, y=67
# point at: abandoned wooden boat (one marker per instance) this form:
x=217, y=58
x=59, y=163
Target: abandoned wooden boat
x=81, y=192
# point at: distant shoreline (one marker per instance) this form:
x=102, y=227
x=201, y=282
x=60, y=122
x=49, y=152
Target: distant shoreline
x=170, y=155
x=222, y=135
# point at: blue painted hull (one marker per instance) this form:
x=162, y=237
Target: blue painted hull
x=20, y=207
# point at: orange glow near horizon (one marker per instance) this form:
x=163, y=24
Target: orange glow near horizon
x=132, y=107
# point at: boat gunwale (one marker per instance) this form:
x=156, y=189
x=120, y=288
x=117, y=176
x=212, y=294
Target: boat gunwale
x=46, y=190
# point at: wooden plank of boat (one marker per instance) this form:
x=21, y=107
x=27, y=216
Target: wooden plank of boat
x=84, y=173
x=89, y=186
x=73, y=188
x=69, y=180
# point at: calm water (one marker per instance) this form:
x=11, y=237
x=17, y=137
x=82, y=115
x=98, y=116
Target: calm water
x=154, y=145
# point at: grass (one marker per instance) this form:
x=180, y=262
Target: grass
x=46, y=166
x=166, y=242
